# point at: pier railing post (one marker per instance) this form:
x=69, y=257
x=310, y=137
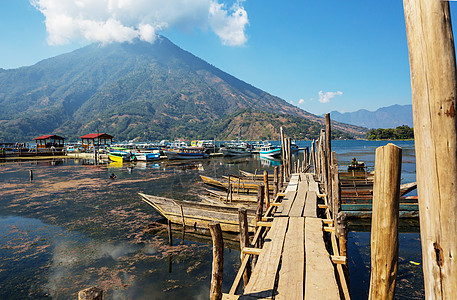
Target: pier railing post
x=384, y=225
x=244, y=240
x=275, y=183
x=281, y=177
x=434, y=92
x=267, y=189
x=218, y=261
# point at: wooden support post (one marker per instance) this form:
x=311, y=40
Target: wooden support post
x=289, y=157
x=328, y=154
x=384, y=224
x=92, y=293
x=244, y=240
x=259, y=212
x=281, y=176
x=218, y=261
x=335, y=186
x=260, y=199
x=31, y=175
x=275, y=183
x=342, y=231
x=267, y=189
x=183, y=225
x=434, y=92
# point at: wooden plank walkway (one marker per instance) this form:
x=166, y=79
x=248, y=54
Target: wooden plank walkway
x=294, y=262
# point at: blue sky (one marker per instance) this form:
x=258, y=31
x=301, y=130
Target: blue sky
x=352, y=54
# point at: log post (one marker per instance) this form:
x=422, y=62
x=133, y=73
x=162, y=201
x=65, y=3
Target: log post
x=31, y=175
x=92, y=293
x=259, y=211
x=328, y=154
x=267, y=189
x=218, y=261
x=342, y=232
x=281, y=176
x=244, y=240
x=275, y=183
x=384, y=224
x=434, y=92
x=289, y=157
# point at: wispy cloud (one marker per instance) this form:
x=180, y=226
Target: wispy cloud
x=124, y=20
x=301, y=101
x=325, y=97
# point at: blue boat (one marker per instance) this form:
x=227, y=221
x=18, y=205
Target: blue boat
x=270, y=151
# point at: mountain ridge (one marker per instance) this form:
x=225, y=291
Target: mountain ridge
x=385, y=117
x=135, y=90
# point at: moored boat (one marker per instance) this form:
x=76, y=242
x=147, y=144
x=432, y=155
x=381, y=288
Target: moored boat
x=121, y=156
x=147, y=156
x=270, y=151
x=186, y=153
x=195, y=214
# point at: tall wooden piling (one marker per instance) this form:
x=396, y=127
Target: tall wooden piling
x=384, y=225
x=434, y=92
x=328, y=154
x=275, y=182
x=218, y=261
x=170, y=234
x=31, y=175
x=266, y=190
x=281, y=177
x=244, y=240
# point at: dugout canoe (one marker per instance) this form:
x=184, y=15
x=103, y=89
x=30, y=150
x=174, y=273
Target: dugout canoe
x=197, y=214
x=237, y=187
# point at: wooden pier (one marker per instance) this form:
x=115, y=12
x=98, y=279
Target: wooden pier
x=293, y=262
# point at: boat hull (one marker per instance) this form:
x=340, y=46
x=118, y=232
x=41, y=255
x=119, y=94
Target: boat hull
x=183, y=155
x=197, y=214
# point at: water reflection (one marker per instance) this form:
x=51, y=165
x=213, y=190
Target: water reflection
x=74, y=227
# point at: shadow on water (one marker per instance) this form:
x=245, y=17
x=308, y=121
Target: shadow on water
x=73, y=227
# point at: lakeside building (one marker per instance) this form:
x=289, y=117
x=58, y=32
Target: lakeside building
x=50, y=141
x=96, y=139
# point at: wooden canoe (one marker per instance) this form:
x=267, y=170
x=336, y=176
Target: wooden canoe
x=242, y=187
x=235, y=197
x=196, y=214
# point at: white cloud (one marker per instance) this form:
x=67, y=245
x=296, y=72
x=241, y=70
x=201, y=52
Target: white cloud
x=325, y=97
x=124, y=20
x=301, y=101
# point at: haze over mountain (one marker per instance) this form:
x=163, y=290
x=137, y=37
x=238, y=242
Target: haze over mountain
x=385, y=117
x=142, y=91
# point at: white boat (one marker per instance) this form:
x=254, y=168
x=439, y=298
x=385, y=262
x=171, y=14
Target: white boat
x=186, y=153
x=235, y=150
x=146, y=156
x=270, y=151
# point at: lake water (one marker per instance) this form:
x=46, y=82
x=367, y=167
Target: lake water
x=73, y=227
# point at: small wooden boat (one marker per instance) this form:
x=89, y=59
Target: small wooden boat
x=235, y=197
x=195, y=214
x=238, y=187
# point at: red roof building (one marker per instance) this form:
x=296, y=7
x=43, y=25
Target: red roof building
x=50, y=140
x=96, y=139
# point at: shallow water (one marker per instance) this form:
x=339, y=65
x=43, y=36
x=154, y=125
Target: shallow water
x=74, y=227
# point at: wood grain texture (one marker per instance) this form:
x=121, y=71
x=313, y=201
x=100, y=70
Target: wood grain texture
x=262, y=281
x=292, y=273
x=434, y=90
x=320, y=281
x=384, y=225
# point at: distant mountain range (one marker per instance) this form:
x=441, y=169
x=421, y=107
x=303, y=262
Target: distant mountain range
x=143, y=91
x=385, y=117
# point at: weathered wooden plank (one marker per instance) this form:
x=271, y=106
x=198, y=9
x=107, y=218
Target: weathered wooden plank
x=310, y=205
x=262, y=281
x=292, y=273
x=299, y=203
x=286, y=204
x=320, y=281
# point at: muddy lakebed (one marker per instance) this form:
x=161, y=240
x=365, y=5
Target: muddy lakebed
x=73, y=227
